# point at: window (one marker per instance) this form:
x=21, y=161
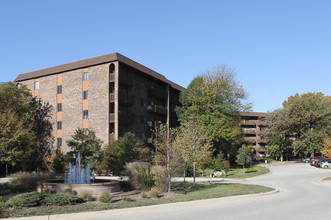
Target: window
x=59, y=89
x=85, y=114
x=85, y=76
x=36, y=85
x=111, y=68
x=111, y=87
x=111, y=128
x=85, y=94
x=59, y=125
x=59, y=142
x=59, y=107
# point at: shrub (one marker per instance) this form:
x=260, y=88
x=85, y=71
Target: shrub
x=220, y=163
x=128, y=199
x=2, y=207
x=85, y=195
x=61, y=199
x=144, y=196
x=104, y=196
x=154, y=192
x=25, y=200
x=71, y=192
x=140, y=175
x=29, y=180
x=159, y=176
x=56, y=162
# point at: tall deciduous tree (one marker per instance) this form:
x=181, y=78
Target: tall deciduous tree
x=85, y=142
x=307, y=118
x=21, y=115
x=214, y=99
x=167, y=153
x=193, y=144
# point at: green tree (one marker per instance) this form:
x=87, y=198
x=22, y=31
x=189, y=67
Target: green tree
x=193, y=144
x=85, y=142
x=214, y=100
x=220, y=163
x=244, y=156
x=127, y=149
x=33, y=119
x=16, y=141
x=304, y=120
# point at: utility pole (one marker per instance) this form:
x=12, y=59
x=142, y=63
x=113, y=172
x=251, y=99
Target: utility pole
x=168, y=130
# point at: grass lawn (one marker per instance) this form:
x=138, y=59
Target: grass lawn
x=185, y=193
x=249, y=172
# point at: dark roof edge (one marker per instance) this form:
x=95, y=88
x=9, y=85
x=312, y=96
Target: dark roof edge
x=258, y=114
x=92, y=62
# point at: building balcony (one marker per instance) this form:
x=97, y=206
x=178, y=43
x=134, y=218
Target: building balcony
x=154, y=124
x=125, y=100
x=250, y=140
x=112, y=97
x=251, y=131
x=111, y=137
x=157, y=109
x=125, y=118
x=157, y=93
x=112, y=117
x=112, y=77
x=262, y=141
x=248, y=123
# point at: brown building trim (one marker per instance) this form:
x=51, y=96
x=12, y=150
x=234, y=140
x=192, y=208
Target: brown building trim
x=92, y=62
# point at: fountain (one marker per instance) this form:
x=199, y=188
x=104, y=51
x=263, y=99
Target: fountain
x=79, y=179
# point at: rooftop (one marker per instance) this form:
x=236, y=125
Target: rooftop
x=96, y=61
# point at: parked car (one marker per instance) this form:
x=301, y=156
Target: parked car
x=312, y=160
x=306, y=160
x=326, y=164
x=318, y=160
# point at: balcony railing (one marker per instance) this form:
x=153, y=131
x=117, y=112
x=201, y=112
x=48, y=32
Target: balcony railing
x=252, y=131
x=112, y=77
x=248, y=123
x=157, y=109
x=112, y=118
x=112, y=97
x=111, y=137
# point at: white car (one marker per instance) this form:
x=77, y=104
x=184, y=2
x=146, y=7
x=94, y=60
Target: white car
x=326, y=164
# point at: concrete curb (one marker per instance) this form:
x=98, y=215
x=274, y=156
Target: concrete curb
x=142, y=209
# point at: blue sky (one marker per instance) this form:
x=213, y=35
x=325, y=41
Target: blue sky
x=278, y=48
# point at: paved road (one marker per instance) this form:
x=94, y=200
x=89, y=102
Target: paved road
x=301, y=196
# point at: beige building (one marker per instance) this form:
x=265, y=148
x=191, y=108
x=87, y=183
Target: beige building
x=109, y=94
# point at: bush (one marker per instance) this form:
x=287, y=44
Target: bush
x=104, y=196
x=56, y=162
x=85, y=195
x=61, y=199
x=144, y=196
x=29, y=180
x=154, y=192
x=159, y=176
x=220, y=163
x=25, y=200
x=2, y=207
x=140, y=175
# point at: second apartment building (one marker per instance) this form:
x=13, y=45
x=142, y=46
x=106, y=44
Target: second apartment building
x=109, y=94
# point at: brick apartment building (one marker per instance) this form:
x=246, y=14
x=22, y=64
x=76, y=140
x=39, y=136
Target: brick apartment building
x=109, y=94
x=253, y=125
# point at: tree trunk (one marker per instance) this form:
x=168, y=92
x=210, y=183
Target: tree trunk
x=193, y=173
x=184, y=171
